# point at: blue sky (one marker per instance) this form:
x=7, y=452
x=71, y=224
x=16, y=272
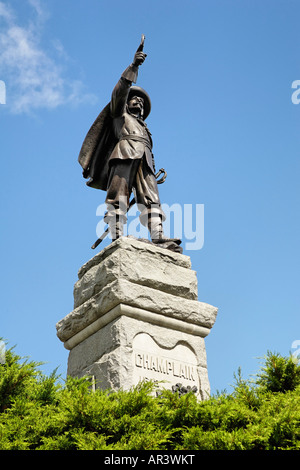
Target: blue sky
x=220, y=74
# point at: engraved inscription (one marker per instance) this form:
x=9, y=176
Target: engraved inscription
x=153, y=362
x=165, y=366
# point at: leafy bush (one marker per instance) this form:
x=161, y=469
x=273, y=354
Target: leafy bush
x=39, y=413
x=279, y=374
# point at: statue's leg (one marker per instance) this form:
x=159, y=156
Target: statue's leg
x=147, y=196
x=152, y=215
x=121, y=177
x=155, y=225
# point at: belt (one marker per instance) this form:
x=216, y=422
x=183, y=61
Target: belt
x=137, y=138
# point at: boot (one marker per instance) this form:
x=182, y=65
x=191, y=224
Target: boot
x=115, y=221
x=115, y=229
x=155, y=228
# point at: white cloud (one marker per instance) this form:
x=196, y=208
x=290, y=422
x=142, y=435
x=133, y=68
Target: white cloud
x=5, y=12
x=33, y=78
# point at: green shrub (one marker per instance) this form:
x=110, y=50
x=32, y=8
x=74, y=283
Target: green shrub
x=279, y=374
x=38, y=412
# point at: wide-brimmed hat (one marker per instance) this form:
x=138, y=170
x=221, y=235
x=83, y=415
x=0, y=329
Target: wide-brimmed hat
x=138, y=91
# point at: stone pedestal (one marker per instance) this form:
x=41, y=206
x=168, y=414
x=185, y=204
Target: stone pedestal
x=137, y=316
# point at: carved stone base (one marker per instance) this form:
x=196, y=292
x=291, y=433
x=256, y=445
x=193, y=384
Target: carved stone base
x=137, y=316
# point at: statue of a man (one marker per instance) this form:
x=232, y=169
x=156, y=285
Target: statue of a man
x=117, y=157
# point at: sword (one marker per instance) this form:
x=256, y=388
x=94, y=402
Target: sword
x=141, y=46
x=131, y=203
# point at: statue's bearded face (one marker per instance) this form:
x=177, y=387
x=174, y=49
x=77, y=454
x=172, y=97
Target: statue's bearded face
x=136, y=105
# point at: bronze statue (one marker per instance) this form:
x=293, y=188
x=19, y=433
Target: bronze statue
x=117, y=157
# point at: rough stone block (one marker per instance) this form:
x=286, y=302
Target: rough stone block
x=137, y=316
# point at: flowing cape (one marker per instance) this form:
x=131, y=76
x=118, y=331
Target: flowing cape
x=96, y=150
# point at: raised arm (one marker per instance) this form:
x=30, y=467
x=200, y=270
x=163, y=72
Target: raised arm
x=129, y=76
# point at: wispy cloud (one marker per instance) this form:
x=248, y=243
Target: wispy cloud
x=33, y=77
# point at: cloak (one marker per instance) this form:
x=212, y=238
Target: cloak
x=96, y=150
